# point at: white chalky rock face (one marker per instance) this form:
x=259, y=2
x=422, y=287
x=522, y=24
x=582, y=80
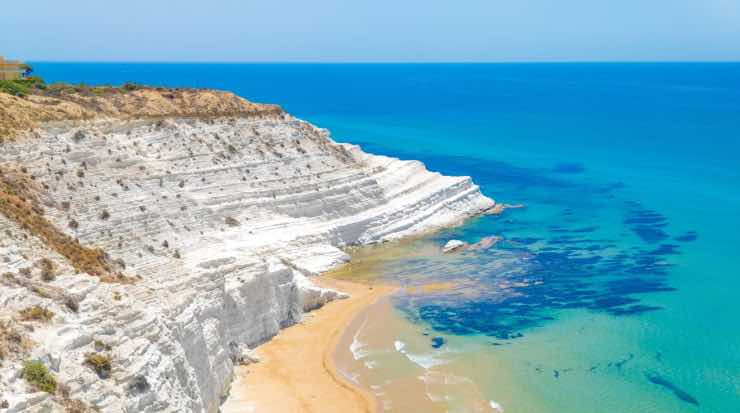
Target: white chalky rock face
x=223, y=221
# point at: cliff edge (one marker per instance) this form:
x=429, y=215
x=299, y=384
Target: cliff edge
x=61, y=102
x=151, y=237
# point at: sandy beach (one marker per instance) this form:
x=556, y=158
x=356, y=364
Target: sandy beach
x=296, y=372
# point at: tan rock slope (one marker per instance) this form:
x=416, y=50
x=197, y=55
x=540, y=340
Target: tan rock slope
x=78, y=103
x=150, y=237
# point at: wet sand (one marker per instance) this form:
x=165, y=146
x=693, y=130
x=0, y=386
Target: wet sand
x=395, y=358
x=297, y=371
x=392, y=357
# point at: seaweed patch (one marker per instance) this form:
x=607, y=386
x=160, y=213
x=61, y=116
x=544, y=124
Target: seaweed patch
x=680, y=394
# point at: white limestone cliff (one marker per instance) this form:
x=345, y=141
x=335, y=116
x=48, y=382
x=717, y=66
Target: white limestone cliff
x=220, y=221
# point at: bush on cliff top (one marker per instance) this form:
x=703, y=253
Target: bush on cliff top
x=22, y=87
x=29, y=85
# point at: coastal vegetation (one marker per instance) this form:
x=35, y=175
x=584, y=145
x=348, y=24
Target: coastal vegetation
x=102, y=346
x=48, y=269
x=38, y=376
x=27, y=103
x=22, y=87
x=35, y=85
x=93, y=182
x=100, y=363
x=36, y=313
x=12, y=341
x=19, y=203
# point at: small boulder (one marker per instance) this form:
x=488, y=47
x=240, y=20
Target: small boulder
x=243, y=355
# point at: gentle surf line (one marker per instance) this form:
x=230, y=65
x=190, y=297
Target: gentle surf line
x=297, y=371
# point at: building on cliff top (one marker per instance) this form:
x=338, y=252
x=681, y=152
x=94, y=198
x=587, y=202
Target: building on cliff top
x=11, y=69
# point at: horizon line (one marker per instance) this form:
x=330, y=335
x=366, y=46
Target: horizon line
x=383, y=62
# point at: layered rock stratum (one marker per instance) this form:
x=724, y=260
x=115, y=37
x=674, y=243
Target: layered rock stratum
x=169, y=231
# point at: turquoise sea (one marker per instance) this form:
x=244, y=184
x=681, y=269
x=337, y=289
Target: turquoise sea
x=616, y=288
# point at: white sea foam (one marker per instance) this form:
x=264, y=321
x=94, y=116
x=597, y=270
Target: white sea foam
x=425, y=361
x=496, y=406
x=354, y=377
x=370, y=364
x=357, y=346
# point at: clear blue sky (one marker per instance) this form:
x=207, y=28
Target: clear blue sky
x=370, y=30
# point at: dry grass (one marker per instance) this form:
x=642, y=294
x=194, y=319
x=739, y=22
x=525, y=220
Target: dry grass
x=100, y=363
x=65, y=102
x=36, y=313
x=20, y=204
x=48, y=269
x=13, y=343
x=75, y=406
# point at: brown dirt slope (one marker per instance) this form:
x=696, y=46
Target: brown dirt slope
x=18, y=202
x=59, y=103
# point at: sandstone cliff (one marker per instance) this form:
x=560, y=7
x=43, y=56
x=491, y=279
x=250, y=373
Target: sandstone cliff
x=166, y=231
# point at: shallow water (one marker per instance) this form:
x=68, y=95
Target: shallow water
x=613, y=290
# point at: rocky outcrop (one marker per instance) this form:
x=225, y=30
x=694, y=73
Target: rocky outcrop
x=453, y=245
x=214, y=226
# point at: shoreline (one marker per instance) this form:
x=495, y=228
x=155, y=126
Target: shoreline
x=219, y=283
x=297, y=370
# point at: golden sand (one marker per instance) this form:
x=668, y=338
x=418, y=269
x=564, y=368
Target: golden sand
x=296, y=371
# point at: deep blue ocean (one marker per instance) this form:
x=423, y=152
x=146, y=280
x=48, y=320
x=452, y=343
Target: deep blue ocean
x=616, y=288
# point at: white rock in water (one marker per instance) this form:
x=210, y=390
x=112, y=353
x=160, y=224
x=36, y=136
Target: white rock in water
x=453, y=245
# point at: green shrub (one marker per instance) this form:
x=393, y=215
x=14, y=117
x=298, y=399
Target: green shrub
x=14, y=88
x=36, y=313
x=21, y=87
x=34, y=82
x=38, y=376
x=48, y=269
x=130, y=86
x=102, y=346
x=100, y=363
